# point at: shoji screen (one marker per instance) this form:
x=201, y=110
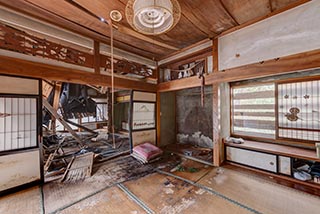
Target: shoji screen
x=143, y=124
x=19, y=131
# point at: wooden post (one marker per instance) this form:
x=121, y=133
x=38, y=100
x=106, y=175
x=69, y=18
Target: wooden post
x=109, y=103
x=56, y=102
x=158, y=119
x=215, y=108
x=96, y=57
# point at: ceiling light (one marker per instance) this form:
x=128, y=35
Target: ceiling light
x=115, y=15
x=153, y=17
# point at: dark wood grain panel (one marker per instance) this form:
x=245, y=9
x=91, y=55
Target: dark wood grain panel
x=210, y=13
x=245, y=10
x=279, y=4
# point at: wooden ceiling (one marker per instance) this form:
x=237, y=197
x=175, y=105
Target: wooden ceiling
x=200, y=19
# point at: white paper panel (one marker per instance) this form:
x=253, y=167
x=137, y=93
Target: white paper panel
x=143, y=116
x=291, y=32
x=18, y=169
x=18, y=123
x=144, y=96
x=250, y=158
x=21, y=85
x=139, y=137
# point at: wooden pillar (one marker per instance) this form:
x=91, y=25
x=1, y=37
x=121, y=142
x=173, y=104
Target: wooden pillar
x=110, y=122
x=96, y=57
x=56, y=102
x=215, y=58
x=158, y=119
x=215, y=108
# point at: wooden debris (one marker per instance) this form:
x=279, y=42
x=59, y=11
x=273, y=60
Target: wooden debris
x=62, y=121
x=79, y=168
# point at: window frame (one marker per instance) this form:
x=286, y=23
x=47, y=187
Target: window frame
x=277, y=139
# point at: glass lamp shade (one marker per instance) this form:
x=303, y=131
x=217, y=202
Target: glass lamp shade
x=152, y=16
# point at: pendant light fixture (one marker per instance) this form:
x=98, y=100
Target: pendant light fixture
x=153, y=17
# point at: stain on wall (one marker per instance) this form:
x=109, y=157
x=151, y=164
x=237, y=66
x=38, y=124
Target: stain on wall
x=194, y=122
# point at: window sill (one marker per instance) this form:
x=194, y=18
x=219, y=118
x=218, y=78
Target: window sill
x=278, y=149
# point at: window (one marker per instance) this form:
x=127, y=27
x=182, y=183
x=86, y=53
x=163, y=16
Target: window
x=296, y=102
x=253, y=110
x=18, y=123
x=298, y=110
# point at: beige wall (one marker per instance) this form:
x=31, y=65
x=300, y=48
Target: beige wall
x=291, y=32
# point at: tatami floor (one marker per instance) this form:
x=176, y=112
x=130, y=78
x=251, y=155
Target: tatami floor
x=208, y=190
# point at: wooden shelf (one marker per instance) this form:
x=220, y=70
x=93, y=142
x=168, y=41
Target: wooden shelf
x=278, y=149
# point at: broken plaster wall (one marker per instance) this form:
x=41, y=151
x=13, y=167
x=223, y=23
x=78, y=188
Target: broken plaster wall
x=194, y=123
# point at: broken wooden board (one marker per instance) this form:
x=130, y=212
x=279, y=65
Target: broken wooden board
x=190, y=170
x=259, y=194
x=191, y=151
x=111, y=200
x=26, y=201
x=79, y=168
x=54, y=113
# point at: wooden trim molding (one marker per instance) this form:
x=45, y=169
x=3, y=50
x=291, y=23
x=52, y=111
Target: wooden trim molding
x=289, y=64
x=14, y=66
x=251, y=22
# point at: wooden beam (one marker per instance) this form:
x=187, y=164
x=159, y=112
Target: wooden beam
x=14, y=66
x=295, y=4
x=158, y=119
x=289, y=64
x=179, y=84
x=215, y=56
x=54, y=113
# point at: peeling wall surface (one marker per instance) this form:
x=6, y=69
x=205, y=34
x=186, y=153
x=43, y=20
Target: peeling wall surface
x=194, y=123
x=18, y=169
x=291, y=32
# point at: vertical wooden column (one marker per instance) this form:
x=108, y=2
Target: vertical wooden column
x=215, y=108
x=96, y=58
x=109, y=110
x=56, y=102
x=158, y=119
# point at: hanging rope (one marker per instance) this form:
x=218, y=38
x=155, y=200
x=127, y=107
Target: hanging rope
x=112, y=86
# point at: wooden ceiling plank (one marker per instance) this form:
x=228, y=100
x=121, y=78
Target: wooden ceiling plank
x=121, y=28
x=211, y=14
x=279, y=4
x=246, y=10
x=68, y=11
x=270, y=5
x=275, y=12
x=43, y=15
x=228, y=12
x=187, y=12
